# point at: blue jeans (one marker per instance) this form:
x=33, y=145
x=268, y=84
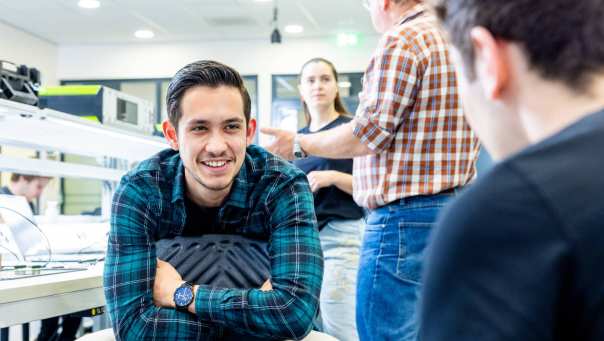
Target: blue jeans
x=391, y=265
x=341, y=244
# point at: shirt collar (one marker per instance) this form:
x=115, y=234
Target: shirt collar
x=178, y=190
x=412, y=13
x=238, y=197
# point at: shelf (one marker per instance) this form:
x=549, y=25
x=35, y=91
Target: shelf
x=22, y=125
x=58, y=169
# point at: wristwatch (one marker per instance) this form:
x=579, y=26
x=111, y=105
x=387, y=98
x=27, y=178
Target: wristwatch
x=183, y=296
x=299, y=153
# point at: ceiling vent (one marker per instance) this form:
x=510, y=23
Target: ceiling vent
x=231, y=21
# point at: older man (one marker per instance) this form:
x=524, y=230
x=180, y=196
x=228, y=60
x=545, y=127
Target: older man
x=412, y=150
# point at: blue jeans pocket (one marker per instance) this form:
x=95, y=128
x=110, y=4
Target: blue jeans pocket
x=378, y=218
x=413, y=238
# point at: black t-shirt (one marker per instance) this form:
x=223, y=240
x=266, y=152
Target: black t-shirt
x=330, y=202
x=520, y=254
x=201, y=220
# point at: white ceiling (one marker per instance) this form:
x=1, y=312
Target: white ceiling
x=64, y=23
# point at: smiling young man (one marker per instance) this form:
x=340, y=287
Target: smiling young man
x=211, y=181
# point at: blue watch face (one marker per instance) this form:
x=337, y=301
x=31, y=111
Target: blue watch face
x=183, y=296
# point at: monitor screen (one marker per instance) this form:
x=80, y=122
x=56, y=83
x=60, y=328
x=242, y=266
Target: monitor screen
x=127, y=111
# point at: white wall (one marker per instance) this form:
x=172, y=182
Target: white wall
x=23, y=48
x=248, y=57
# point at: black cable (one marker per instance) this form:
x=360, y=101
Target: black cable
x=37, y=227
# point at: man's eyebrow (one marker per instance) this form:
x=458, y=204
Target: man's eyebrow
x=197, y=121
x=234, y=120
x=206, y=122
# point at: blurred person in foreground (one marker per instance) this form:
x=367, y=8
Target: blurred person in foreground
x=519, y=255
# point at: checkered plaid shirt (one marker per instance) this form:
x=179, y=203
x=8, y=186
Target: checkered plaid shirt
x=269, y=199
x=410, y=115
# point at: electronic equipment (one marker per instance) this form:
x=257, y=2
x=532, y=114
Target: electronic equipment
x=103, y=104
x=19, y=83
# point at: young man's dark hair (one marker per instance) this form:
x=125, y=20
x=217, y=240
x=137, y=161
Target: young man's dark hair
x=203, y=73
x=572, y=29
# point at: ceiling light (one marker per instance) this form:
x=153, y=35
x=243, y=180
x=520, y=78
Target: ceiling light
x=294, y=29
x=89, y=3
x=144, y=34
x=344, y=84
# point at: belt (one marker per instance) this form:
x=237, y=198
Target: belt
x=411, y=198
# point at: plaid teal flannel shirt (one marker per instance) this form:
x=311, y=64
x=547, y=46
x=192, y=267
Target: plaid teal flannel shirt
x=269, y=199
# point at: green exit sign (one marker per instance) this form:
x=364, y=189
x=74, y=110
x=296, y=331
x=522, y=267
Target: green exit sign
x=348, y=39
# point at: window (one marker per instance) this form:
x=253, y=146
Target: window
x=287, y=107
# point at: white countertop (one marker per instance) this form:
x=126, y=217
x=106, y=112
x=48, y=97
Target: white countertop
x=33, y=298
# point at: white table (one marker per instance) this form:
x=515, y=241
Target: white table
x=35, y=298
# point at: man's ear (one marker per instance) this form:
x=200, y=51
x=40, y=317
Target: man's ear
x=384, y=5
x=170, y=134
x=251, y=131
x=491, y=62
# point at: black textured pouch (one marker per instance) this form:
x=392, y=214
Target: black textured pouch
x=218, y=260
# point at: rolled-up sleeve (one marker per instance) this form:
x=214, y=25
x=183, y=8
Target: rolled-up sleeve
x=389, y=90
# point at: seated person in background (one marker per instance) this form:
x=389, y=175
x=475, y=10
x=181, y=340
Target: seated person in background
x=519, y=255
x=31, y=187
x=211, y=181
x=28, y=186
